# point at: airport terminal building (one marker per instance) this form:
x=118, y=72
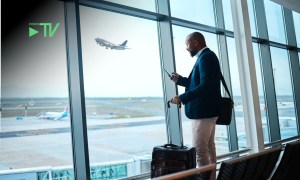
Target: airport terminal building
x=84, y=92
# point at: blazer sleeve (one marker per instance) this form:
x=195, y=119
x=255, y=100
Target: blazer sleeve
x=207, y=69
x=182, y=81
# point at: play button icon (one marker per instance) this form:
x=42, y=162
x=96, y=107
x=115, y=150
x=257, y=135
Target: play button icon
x=32, y=32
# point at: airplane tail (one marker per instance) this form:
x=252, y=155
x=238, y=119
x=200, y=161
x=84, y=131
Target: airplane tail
x=124, y=43
x=66, y=108
x=64, y=113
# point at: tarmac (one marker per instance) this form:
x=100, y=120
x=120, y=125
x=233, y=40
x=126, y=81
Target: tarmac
x=33, y=143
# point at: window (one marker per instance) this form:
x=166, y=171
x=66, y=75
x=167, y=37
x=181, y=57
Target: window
x=228, y=16
x=35, y=124
x=252, y=19
x=263, y=110
x=196, y=11
x=184, y=64
x=123, y=90
x=284, y=92
x=148, y=5
x=275, y=22
x=236, y=90
x=296, y=17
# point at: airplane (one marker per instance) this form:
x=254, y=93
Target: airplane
x=107, y=44
x=54, y=115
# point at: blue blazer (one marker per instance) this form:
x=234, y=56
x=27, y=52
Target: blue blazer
x=202, y=95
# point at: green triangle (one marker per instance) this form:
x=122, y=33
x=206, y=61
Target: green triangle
x=32, y=32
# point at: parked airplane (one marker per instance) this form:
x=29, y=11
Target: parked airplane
x=53, y=115
x=107, y=44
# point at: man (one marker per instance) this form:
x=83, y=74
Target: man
x=202, y=97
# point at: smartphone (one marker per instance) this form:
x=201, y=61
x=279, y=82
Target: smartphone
x=169, y=74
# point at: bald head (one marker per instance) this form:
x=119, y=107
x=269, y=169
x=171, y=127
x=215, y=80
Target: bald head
x=197, y=37
x=194, y=43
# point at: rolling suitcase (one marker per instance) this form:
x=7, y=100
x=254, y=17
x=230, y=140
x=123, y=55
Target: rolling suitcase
x=170, y=158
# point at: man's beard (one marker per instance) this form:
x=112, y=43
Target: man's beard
x=193, y=53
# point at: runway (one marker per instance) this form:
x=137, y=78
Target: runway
x=36, y=132
x=43, y=142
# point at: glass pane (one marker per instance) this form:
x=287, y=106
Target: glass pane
x=236, y=90
x=296, y=17
x=252, y=18
x=227, y=15
x=195, y=10
x=148, y=5
x=123, y=89
x=275, y=22
x=263, y=110
x=184, y=65
x=284, y=92
x=35, y=131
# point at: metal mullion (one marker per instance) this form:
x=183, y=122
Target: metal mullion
x=197, y=26
x=280, y=45
x=223, y=51
x=267, y=71
x=295, y=73
x=293, y=61
x=260, y=18
x=76, y=92
x=247, y=73
x=168, y=62
x=118, y=8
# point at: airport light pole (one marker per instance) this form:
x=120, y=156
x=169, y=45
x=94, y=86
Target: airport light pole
x=25, y=105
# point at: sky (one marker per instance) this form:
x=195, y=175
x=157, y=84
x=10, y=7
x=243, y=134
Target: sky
x=36, y=66
x=131, y=72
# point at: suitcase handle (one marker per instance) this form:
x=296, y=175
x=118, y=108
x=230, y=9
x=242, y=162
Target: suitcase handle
x=173, y=146
x=168, y=123
x=179, y=105
x=170, y=145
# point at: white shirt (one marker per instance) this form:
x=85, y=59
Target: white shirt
x=198, y=54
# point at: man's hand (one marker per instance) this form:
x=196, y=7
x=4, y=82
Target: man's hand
x=174, y=77
x=175, y=100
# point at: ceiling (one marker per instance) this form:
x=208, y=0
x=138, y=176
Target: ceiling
x=289, y=4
